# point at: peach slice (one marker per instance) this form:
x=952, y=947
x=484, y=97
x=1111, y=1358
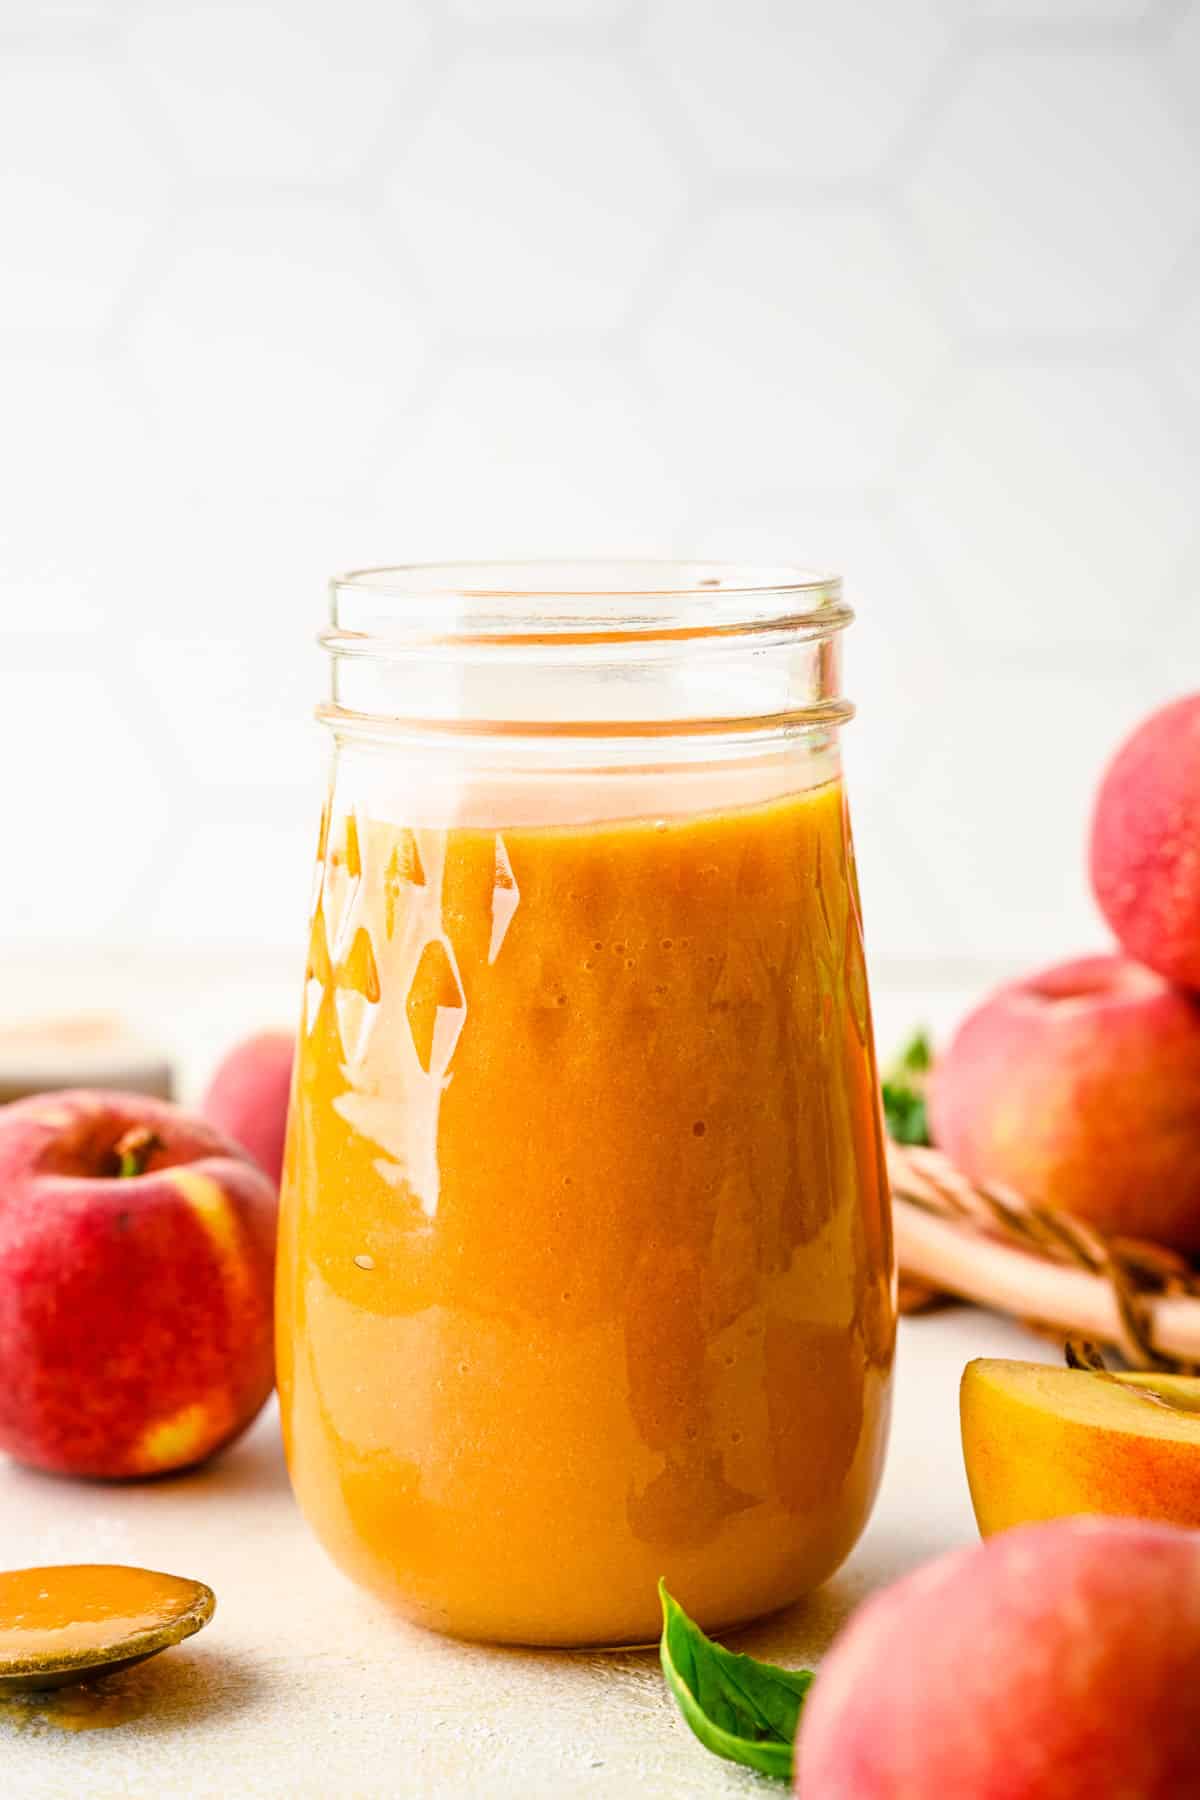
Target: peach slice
x=1041, y=1442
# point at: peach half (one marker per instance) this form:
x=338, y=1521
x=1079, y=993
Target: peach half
x=1041, y=1442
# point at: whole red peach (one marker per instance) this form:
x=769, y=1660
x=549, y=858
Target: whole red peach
x=1054, y=1662
x=1145, y=850
x=247, y=1097
x=1080, y=1088
x=137, y=1254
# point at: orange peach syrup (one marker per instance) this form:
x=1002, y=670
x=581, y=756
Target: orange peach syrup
x=585, y=1261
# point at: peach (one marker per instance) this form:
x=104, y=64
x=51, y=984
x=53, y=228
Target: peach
x=1080, y=1088
x=247, y=1097
x=1041, y=1442
x=137, y=1252
x=1145, y=849
x=1056, y=1662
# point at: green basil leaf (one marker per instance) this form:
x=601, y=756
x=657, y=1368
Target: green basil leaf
x=905, y=1114
x=744, y=1710
x=917, y=1055
x=904, y=1083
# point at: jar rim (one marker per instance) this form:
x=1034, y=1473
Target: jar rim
x=586, y=648
x=574, y=600
x=588, y=578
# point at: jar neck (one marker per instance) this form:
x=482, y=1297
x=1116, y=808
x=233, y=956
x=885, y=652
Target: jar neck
x=636, y=658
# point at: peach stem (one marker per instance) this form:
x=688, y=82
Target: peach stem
x=134, y=1150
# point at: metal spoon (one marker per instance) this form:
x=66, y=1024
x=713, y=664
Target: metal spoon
x=73, y=1622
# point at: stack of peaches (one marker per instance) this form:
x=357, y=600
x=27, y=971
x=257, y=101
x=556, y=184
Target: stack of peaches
x=1080, y=1086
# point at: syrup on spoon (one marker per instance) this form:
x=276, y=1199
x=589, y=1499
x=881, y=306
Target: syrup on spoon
x=71, y=1623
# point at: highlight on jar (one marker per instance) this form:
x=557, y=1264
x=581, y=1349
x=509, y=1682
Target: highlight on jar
x=585, y=1265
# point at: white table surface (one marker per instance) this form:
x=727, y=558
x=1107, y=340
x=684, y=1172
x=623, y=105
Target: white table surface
x=303, y=1687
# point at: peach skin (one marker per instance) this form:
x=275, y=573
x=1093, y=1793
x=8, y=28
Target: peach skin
x=247, y=1097
x=1058, y=1662
x=137, y=1249
x=1041, y=1442
x=1145, y=845
x=1080, y=1088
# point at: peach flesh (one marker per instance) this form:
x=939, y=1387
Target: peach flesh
x=1041, y=1442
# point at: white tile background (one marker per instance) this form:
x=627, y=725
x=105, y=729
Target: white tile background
x=908, y=287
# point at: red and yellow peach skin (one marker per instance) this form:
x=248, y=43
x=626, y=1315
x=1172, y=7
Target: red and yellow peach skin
x=1080, y=1088
x=136, y=1309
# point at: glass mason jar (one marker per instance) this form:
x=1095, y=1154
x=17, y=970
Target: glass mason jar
x=585, y=1267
